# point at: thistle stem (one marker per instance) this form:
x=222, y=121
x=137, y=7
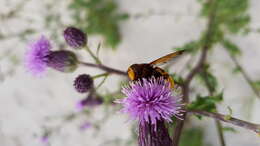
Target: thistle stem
x=104, y=68
x=231, y=120
x=103, y=81
x=220, y=133
x=100, y=75
x=245, y=75
x=206, y=46
x=92, y=55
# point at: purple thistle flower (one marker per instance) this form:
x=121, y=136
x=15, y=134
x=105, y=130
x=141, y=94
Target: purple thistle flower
x=150, y=100
x=44, y=140
x=36, y=56
x=75, y=37
x=91, y=100
x=85, y=125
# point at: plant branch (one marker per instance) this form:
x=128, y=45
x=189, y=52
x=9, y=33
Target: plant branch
x=217, y=123
x=206, y=46
x=231, y=120
x=92, y=55
x=245, y=75
x=220, y=132
x=100, y=75
x=105, y=68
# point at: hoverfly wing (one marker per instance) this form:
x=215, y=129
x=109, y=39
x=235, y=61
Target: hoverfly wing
x=167, y=58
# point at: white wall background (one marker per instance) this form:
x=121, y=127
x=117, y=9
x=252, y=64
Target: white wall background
x=26, y=102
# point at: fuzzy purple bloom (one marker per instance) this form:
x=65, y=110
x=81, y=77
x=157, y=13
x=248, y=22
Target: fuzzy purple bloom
x=150, y=100
x=36, y=56
x=85, y=125
x=75, y=37
x=44, y=139
x=90, y=101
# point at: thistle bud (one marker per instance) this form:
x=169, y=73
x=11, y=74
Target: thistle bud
x=91, y=100
x=64, y=61
x=75, y=37
x=83, y=83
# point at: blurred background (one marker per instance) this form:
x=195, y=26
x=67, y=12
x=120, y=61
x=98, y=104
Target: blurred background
x=130, y=31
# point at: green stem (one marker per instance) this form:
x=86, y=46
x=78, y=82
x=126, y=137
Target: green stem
x=92, y=55
x=100, y=75
x=102, y=82
x=231, y=120
x=186, y=86
x=98, y=49
x=104, y=68
x=220, y=133
x=245, y=75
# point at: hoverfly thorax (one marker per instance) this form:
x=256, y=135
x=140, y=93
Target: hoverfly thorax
x=138, y=71
x=148, y=70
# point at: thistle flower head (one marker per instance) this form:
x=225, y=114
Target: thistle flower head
x=150, y=100
x=36, y=56
x=85, y=125
x=75, y=37
x=91, y=100
x=83, y=83
x=44, y=139
x=64, y=61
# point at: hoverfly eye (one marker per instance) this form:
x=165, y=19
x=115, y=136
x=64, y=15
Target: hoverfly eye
x=131, y=73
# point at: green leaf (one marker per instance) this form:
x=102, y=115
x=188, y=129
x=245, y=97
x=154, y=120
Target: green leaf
x=99, y=17
x=208, y=79
x=229, y=129
x=236, y=70
x=192, y=46
x=228, y=117
x=231, y=15
x=207, y=103
x=232, y=48
x=177, y=79
x=192, y=137
x=257, y=85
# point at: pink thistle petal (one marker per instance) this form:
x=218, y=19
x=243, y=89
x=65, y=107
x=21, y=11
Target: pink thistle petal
x=150, y=100
x=36, y=56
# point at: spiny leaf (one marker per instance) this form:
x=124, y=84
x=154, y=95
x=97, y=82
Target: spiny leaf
x=229, y=129
x=192, y=137
x=177, y=79
x=208, y=79
x=207, y=103
x=232, y=48
x=192, y=46
x=257, y=85
x=231, y=15
x=99, y=17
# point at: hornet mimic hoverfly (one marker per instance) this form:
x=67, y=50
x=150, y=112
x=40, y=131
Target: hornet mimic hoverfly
x=147, y=70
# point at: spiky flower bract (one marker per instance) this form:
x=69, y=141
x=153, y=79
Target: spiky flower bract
x=63, y=61
x=36, y=56
x=153, y=135
x=150, y=100
x=83, y=83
